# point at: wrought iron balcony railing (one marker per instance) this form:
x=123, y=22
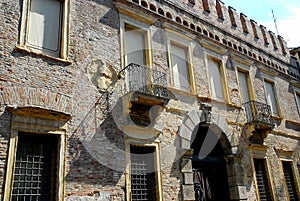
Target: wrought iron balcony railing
x=259, y=113
x=142, y=79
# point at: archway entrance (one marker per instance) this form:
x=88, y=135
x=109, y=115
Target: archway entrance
x=210, y=173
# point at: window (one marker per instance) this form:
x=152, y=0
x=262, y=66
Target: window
x=36, y=158
x=134, y=46
x=180, y=69
x=143, y=173
x=290, y=180
x=244, y=86
x=262, y=180
x=298, y=100
x=216, y=81
x=44, y=27
x=35, y=172
x=271, y=97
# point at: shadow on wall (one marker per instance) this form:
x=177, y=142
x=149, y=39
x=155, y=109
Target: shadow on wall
x=96, y=157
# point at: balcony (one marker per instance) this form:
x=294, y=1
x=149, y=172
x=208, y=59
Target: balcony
x=145, y=81
x=259, y=114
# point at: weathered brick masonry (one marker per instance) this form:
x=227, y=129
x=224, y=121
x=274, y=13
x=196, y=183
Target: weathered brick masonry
x=82, y=97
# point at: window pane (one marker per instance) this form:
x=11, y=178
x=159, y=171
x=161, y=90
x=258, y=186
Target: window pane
x=244, y=86
x=215, y=80
x=271, y=97
x=35, y=168
x=134, y=47
x=180, y=68
x=44, y=24
x=143, y=173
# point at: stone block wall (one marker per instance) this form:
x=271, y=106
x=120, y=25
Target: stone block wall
x=95, y=148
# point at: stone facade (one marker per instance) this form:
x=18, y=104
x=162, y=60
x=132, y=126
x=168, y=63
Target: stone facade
x=84, y=99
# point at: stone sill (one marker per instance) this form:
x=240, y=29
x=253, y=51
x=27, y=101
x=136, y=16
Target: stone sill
x=31, y=51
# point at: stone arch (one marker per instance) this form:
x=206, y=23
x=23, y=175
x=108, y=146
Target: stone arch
x=23, y=96
x=195, y=118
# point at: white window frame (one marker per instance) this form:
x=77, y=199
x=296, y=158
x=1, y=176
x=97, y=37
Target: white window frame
x=181, y=41
x=36, y=126
x=64, y=32
x=142, y=143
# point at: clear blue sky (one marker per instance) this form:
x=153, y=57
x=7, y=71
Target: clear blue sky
x=287, y=14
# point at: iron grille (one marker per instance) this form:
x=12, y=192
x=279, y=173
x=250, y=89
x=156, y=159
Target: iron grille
x=141, y=79
x=290, y=181
x=262, y=179
x=143, y=177
x=259, y=113
x=35, y=168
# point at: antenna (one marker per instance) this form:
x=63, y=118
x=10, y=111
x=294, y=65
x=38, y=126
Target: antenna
x=275, y=22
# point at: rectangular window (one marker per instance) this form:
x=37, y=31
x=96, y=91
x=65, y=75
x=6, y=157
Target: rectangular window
x=271, y=97
x=134, y=46
x=35, y=173
x=44, y=27
x=290, y=180
x=262, y=179
x=298, y=101
x=180, y=68
x=216, y=82
x=143, y=173
x=244, y=86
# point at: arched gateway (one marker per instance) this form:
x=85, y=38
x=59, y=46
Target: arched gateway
x=203, y=133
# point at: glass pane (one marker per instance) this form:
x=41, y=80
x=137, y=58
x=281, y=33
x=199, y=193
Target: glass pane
x=135, y=47
x=180, y=68
x=271, y=97
x=44, y=24
x=215, y=80
x=244, y=86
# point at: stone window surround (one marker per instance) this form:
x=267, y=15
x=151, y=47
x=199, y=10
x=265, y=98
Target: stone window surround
x=143, y=143
x=141, y=26
x=297, y=94
x=217, y=57
x=22, y=44
x=260, y=152
x=245, y=68
x=288, y=156
x=269, y=77
x=38, y=125
x=183, y=41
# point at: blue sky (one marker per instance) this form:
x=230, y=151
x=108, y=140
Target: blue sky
x=287, y=14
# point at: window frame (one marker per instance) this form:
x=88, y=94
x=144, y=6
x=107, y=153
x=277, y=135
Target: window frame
x=273, y=83
x=287, y=156
x=181, y=41
x=223, y=77
x=297, y=94
x=136, y=142
x=64, y=32
x=246, y=71
x=126, y=21
x=259, y=152
x=21, y=123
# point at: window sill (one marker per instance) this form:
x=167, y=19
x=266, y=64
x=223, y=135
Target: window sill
x=277, y=118
x=32, y=51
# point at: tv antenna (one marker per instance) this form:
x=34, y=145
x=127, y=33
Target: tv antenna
x=275, y=22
